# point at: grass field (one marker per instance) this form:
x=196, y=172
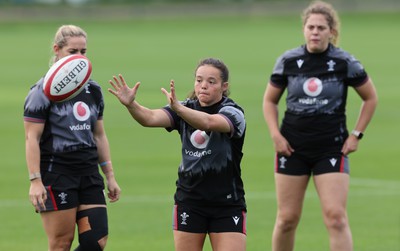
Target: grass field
x=154, y=51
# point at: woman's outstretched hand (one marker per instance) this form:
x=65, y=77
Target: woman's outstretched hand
x=122, y=91
x=171, y=96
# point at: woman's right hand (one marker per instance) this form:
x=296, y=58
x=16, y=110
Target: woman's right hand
x=122, y=91
x=38, y=195
x=281, y=145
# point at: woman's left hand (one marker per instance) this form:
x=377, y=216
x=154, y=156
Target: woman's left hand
x=171, y=96
x=350, y=145
x=114, y=190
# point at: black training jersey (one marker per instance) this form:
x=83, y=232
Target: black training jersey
x=67, y=144
x=317, y=85
x=210, y=172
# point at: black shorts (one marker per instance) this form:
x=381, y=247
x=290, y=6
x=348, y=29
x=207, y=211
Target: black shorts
x=312, y=163
x=196, y=219
x=67, y=191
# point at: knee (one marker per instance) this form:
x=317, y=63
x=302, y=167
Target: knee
x=93, y=229
x=90, y=242
x=287, y=222
x=336, y=219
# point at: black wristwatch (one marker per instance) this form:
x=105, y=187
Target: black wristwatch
x=358, y=134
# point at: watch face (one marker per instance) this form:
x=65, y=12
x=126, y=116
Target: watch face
x=358, y=134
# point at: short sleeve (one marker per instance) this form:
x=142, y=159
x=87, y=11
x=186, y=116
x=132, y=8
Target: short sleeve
x=356, y=74
x=236, y=120
x=37, y=105
x=277, y=78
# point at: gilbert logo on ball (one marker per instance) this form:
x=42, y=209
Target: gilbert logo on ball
x=67, y=77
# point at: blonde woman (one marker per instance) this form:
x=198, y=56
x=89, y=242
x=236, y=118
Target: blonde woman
x=63, y=161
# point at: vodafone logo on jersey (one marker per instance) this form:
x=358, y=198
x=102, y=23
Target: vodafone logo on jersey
x=312, y=87
x=199, y=139
x=81, y=111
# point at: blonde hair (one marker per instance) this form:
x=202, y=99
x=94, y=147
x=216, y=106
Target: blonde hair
x=326, y=9
x=63, y=33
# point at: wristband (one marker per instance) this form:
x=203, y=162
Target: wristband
x=104, y=163
x=34, y=176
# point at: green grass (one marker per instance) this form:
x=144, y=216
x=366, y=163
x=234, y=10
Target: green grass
x=154, y=51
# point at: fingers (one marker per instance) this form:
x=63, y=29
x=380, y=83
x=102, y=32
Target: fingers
x=164, y=91
x=117, y=82
x=290, y=148
x=136, y=87
x=42, y=201
x=114, y=192
x=114, y=196
x=34, y=202
x=112, y=91
x=350, y=146
x=113, y=85
x=172, y=87
x=122, y=79
x=39, y=202
x=171, y=94
x=286, y=153
x=344, y=150
x=283, y=147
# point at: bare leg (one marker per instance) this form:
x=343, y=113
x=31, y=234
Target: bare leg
x=228, y=241
x=333, y=190
x=290, y=191
x=60, y=228
x=185, y=241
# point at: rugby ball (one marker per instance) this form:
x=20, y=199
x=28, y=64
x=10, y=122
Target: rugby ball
x=67, y=77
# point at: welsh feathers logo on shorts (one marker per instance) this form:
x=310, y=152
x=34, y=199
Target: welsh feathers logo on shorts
x=199, y=139
x=81, y=111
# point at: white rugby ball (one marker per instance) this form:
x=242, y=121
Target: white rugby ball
x=67, y=77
